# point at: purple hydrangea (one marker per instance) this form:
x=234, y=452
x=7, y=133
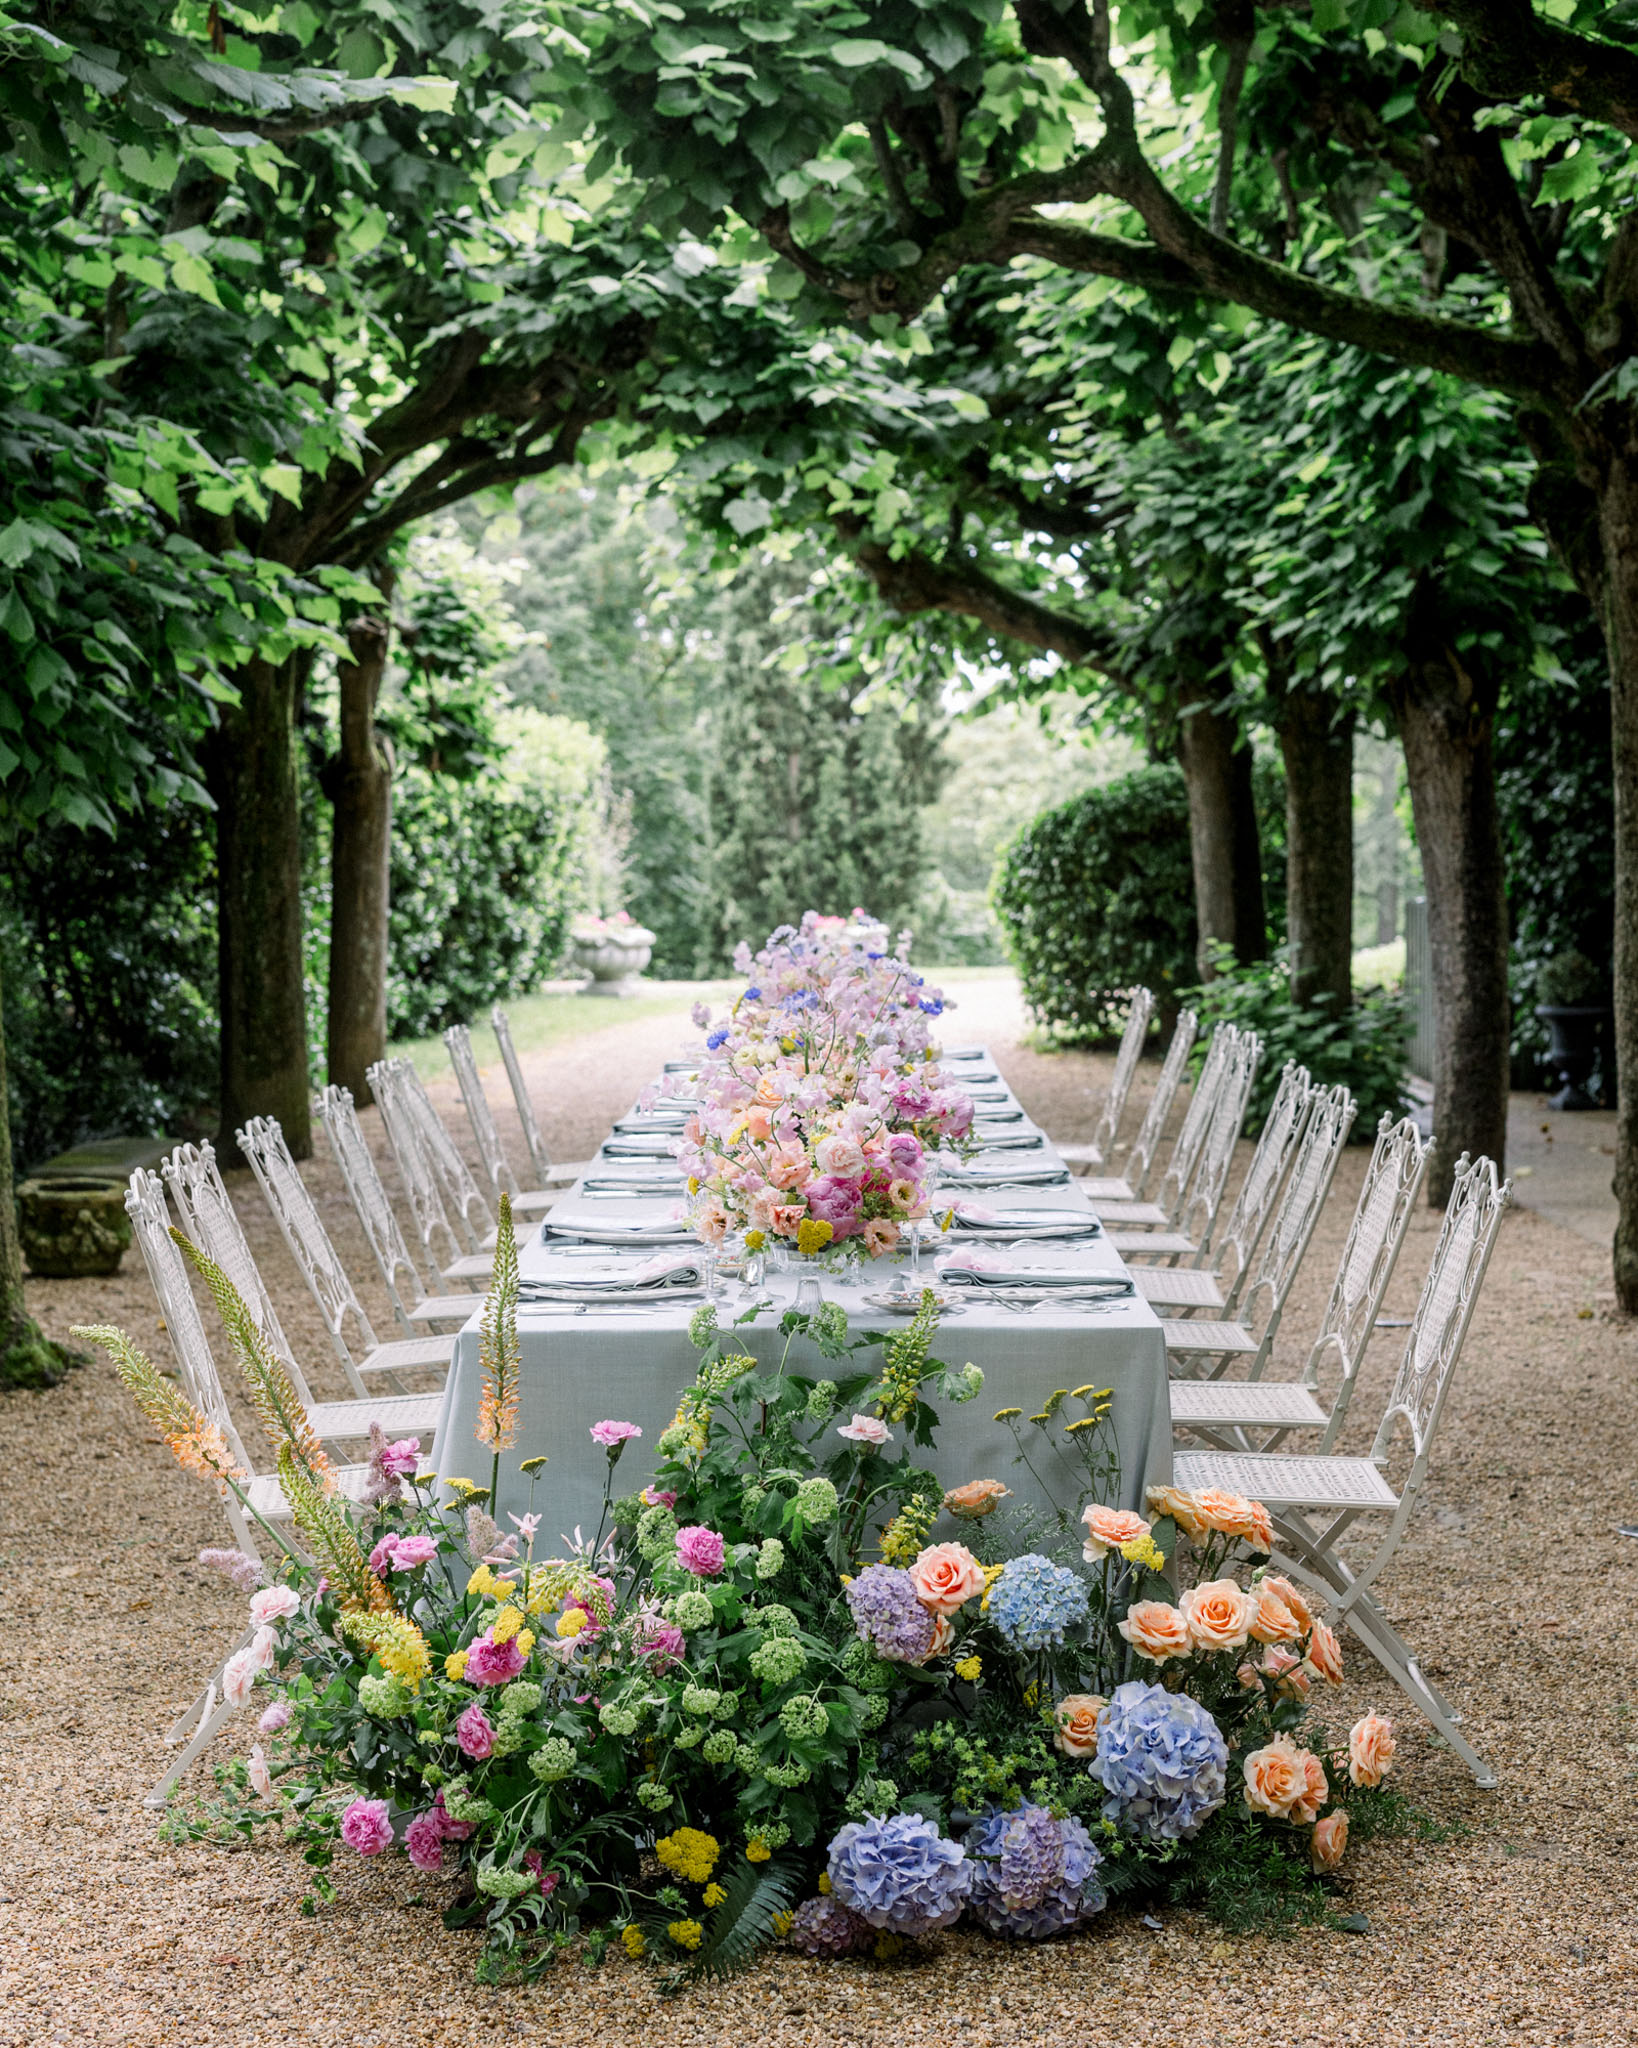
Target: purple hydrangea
x=887, y=1613
x=900, y=1873
x=1033, y=1601
x=1162, y=1760
x=825, y=1927
x=1033, y=1876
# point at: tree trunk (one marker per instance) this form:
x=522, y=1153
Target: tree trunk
x=28, y=1358
x=359, y=786
x=1618, y=522
x=1223, y=837
x=1445, y=713
x=1316, y=737
x=251, y=772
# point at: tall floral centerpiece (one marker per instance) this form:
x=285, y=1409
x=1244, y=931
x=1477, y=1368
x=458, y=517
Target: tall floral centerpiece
x=821, y=1100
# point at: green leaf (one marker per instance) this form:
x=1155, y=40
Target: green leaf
x=190, y=274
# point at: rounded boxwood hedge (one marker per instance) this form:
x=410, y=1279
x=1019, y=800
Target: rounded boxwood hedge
x=1097, y=896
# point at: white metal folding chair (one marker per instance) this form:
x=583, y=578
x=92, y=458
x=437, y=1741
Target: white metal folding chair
x=1120, y=1085
x=410, y=1303
x=1313, y=1500
x=408, y=1110
x=145, y=1203
x=262, y=1142
x=546, y=1174
x=1192, y=1287
x=1129, y=1187
x=1165, y=1212
x=1251, y=1334
x=1226, y=1412
x=502, y=1180
x=448, y=1255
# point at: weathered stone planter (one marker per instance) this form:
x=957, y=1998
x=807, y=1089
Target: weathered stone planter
x=614, y=961
x=1573, y=1031
x=73, y=1226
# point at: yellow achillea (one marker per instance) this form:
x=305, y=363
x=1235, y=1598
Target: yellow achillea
x=713, y=1895
x=1144, y=1550
x=824, y=1885
x=506, y=1625
x=813, y=1233
x=686, y=1933
x=969, y=1668
x=484, y=1582
x=570, y=1622
x=991, y=1573
x=455, y=1665
x=689, y=1853
x=757, y=1850
x=631, y=1940
x=498, y=1354
x=195, y=1442
x=782, y=1925
x=755, y=1240
x=1006, y=1414
x=526, y=1641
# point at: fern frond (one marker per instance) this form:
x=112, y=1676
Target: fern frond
x=330, y=1537
x=741, y=1924
x=194, y=1440
x=498, y=1355
x=272, y=1392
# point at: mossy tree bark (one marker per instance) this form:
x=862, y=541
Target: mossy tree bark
x=28, y=1358
x=1223, y=835
x=1316, y=735
x=358, y=783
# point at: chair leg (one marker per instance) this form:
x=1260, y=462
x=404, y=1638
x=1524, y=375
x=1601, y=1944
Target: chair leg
x=1362, y=1618
x=211, y=1723
x=201, y=1701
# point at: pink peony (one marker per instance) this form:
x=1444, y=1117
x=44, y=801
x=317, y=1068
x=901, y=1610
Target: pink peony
x=475, y=1733
x=276, y=1717
x=424, y=1839
x=273, y=1603
x=835, y=1202
x=611, y=1435
x=699, y=1551
x=261, y=1779
x=367, y=1827
x=491, y=1663
x=866, y=1429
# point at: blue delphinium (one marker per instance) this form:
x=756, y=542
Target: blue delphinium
x=1162, y=1760
x=1033, y=1876
x=1034, y=1600
x=899, y=1873
x=886, y=1612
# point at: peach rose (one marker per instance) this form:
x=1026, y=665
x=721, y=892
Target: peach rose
x=1370, y=1749
x=1330, y=1839
x=1156, y=1631
x=1231, y=1514
x=1293, y=1598
x=1316, y=1788
x=1108, y=1528
x=1077, y=1717
x=1181, y=1507
x=770, y=1091
x=1249, y=1676
x=946, y=1576
x=1262, y=1528
x=1219, y=1615
x=975, y=1500
x=1291, y=1676
x=1285, y=1782
x=1273, y=1621
x=943, y=1637
x=1325, y=1653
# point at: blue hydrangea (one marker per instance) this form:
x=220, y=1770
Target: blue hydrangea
x=1033, y=1601
x=888, y=1614
x=1162, y=1760
x=1033, y=1876
x=900, y=1873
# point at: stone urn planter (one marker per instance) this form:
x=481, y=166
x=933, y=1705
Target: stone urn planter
x=1573, y=1031
x=73, y=1226
x=612, y=952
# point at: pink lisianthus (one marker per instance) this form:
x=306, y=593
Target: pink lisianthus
x=273, y=1603
x=424, y=1839
x=880, y=1236
x=491, y=1663
x=611, y=1435
x=700, y=1551
x=475, y=1733
x=788, y=1218
x=367, y=1826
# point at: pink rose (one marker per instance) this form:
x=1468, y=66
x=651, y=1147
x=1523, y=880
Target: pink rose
x=1219, y=1615
x=1370, y=1749
x=1291, y=1676
x=700, y=1551
x=1108, y=1528
x=424, y=1839
x=475, y=1733
x=1076, y=1716
x=1316, y=1789
x=261, y=1779
x=273, y=1603
x=869, y=1430
x=1180, y=1507
x=1330, y=1839
x=1157, y=1631
x=1325, y=1653
x=367, y=1827
x=946, y=1576
x=611, y=1435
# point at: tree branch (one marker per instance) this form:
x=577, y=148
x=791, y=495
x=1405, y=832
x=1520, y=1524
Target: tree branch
x=1238, y=31
x=892, y=178
x=1509, y=52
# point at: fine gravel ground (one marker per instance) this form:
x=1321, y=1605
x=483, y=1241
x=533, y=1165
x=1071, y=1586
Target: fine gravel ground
x=1517, y=1925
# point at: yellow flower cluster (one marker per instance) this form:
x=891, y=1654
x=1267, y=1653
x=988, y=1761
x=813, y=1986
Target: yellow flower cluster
x=631, y=1940
x=686, y=1933
x=570, y=1622
x=813, y=1233
x=991, y=1573
x=969, y=1668
x=757, y=1850
x=903, y=1537
x=396, y=1640
x=484, y=1583
x=506, y=1624
x=690, y=1853
x=455, y=1665
x=713, y=1895
x=1146, y=1551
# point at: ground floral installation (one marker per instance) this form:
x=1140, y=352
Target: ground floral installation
x=769, y=1698
x=821, y=1097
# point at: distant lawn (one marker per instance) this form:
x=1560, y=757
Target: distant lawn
x=557, y=1016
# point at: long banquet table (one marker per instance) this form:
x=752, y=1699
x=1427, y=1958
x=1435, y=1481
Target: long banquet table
x=579, y=1367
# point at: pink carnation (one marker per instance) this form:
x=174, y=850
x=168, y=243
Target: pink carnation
x=475, y=1733
x=490, y=1663
x=424, y=1839
x=273, y=1603
x=382, y=1555
x=659, y=1497
x=411, y=1552
x=699, y=1551
x=612, y=1434
x=367, y=1826
x=452, y=1830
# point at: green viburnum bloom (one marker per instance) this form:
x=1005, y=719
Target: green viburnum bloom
x=655, y=1796
x=967, y=1384
x=700, y=1699
x=460, y=1803
x=821, y=1401
x=830, y=1321
x=770, y=1559
x=779, y=1660
x=727, y=1707
x=628, y=1510
x=521, y=1697
x=752, y=1496
x=748, y=1760
x=786, y=1776
x=676, y=1439
x=816, y=1501
x=872, y=1795
x=689, y=1737
x=774, y=1834
x=509, y=1735
x=719, y=1746
x=618, y=1720
x=692, y=1610
x=385, y=1697
x=702, y=1326
x=656, y=1533
x=803, y=1718
x=773, y=1620
x=499, y=1883
x=553, y=1760
x=872, y=1713
x=864, y=1669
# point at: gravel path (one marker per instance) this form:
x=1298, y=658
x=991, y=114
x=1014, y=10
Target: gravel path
x=1519, y=1927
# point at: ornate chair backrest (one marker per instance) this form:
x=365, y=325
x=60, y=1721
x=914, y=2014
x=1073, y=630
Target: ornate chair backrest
x=1381, y=1217
x=262, y=1143
x=495, y=1163
x=1147, y=1142
x=1282, y=1131
x=1191, y=1135
x=1312, y=1170
x=439, y=1243
x=460, y=1191
x=1120, y=1084
x=1199, y=1212
x=1434, y=1341
x=150, y=1221
x=539, y=1157
x=335, y=1111
x=210, y=1219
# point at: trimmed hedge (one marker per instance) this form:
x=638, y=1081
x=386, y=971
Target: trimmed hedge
x=1097, y=896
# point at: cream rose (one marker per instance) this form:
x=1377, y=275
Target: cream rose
x=1076, y=1715
x=1330, y=1839
x=1370, y=1749
x=1218, y=1614
x=1325, y=1653
x=1273, y=1621
x=1108, y=1528
x=1156, y=1631
x=1180, y=1507
x=1276, y=1778
x=946, y=1577
x=943, y=1637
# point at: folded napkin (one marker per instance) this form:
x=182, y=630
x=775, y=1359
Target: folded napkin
x=987, y=1117
x=964, y=1052
x=976, y=1269
x=638, y=1148
x=613, y=1230
x=681, y=1067
x=977, y=1095
x=1005, y=1176
x=670, y=1273
x=643, y=1121
x=975, y=1219
x=1012, y=1141
x=637, y=1185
